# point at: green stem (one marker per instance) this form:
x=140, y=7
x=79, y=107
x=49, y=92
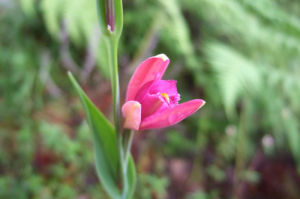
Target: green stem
x=112, y=46
x=128, y=137
x=114, y=73
x=122, y=167
x=128, y=147
x=124, y=153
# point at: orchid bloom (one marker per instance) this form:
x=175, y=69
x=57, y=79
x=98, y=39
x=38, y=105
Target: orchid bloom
x=152, y=102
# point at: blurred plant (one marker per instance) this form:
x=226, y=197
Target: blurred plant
x=151, y=186
x=227, y=40
x=260, y=64
x=151, y=103
x=203, y=195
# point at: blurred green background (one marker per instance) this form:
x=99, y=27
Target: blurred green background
x=241, y=56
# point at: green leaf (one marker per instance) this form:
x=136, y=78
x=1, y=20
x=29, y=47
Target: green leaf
x=119, y=17
x=131, y=178
x=105, y=145
x=101, y=16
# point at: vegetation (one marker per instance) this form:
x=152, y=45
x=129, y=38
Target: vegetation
x=241, y=56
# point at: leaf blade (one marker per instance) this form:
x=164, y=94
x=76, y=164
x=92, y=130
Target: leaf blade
x=105, y=146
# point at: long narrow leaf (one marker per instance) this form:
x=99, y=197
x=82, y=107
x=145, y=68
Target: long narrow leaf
x=104, y=143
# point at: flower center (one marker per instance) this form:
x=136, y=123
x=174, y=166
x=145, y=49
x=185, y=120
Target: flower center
x=166, y=96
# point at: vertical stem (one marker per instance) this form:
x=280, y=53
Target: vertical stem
x=113, y=62
x=112, y=46
x=110, y=15
x=128, y=137
x=123, y=152
x=122, y=167
x=128, y=147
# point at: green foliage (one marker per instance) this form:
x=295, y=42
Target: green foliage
x=203, y=195
x=180, y=39
x=104, y=137
x=105, y=145
x=234, y=74
x=217, y=174
x=241, y=56
x=253, y=55
x=250, y=176
x=82, y=27
x=40, y=169
x=150, y=185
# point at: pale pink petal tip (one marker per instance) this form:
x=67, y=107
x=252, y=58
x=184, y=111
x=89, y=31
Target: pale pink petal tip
x=163, y=57
x=201, y=103
x=131, y=111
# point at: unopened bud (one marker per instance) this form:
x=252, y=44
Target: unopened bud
x=110, y=15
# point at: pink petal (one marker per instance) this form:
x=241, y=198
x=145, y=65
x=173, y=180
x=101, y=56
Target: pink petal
x=131, y=111
x=151, y=69
x=151, y=104
x=164, y=86
x=157, y=88
x=171, y=116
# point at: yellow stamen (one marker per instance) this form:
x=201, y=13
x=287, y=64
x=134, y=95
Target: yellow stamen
x=166, y=96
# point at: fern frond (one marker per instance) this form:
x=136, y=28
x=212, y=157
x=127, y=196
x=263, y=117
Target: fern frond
x=236, y=75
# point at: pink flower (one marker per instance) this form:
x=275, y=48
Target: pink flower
x=152, y=102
